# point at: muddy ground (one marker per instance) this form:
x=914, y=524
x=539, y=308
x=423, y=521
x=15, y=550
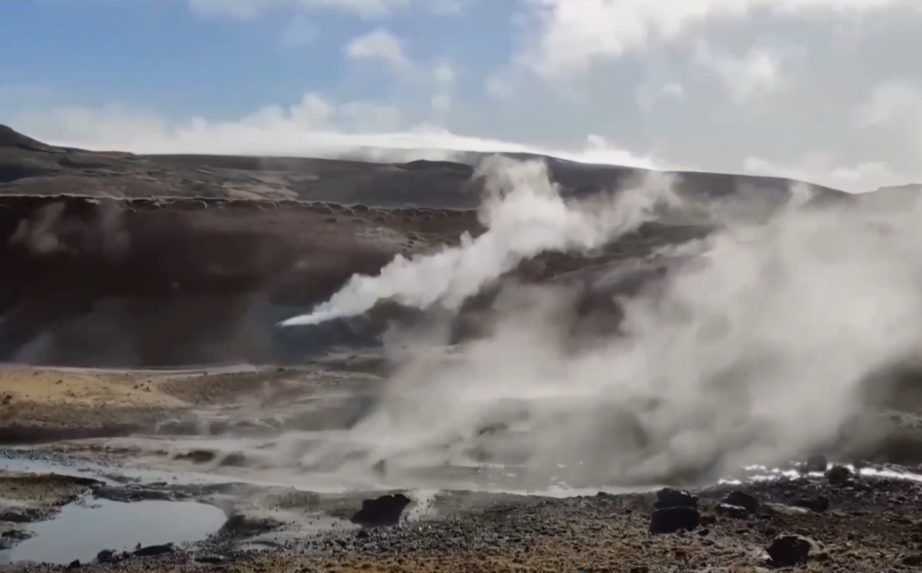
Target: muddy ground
x=101, y=449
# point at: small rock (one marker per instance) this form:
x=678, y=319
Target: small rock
x=789, y=550
x=734, y=511
x=385, y=510
x=105, y=556
x=240, y=526
x=673, y=519
x=783, y=509
x=16, y=535
x=818, y=504
x=839, y=475
x=744, y=500
x=817, y=463
x=155, y=550
x=197, y=456
x=669, y=497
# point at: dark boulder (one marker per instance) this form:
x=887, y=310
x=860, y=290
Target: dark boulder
x=155, y=550
x=669, y=497
x=106, y=556
x=673, y=519
x=197, y=456
x=742, y=499
x=239, y=526
x=789, y=550
x=818, y=504
x=385, y=510
x=839, y=475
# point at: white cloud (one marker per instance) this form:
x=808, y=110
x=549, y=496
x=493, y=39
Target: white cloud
x=379, y=45
x=572, y=34
x=823, y=169
x=312, y=127
x=755, y=73
x=890, y=102
x=444, y=74
x=649, y=96
x=894, y=109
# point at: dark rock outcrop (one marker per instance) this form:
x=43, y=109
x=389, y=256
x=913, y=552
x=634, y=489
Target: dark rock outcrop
x=669, y=497
x=674, y=519
x=742, y=499
x=382, y=511
x=155, y=550
x=789, y=550
x=818, y=504
x=839, y=475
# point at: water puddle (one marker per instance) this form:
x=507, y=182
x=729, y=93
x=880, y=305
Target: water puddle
x=81, y=531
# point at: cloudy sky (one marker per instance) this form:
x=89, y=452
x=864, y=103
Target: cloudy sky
x=826, y=90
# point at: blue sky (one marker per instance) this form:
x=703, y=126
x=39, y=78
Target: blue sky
x=165, y=54
x=825, y=90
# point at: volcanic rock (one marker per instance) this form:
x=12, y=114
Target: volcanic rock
x=239, y=526
x=734, y=511
x=105, y=556
x=155, y=550
x=789, y=550
x=742, y=499
x=197, y=456
x=818, y=504
x=385, y=510
x=839, y=475
x=669, y=497
x=673, y=519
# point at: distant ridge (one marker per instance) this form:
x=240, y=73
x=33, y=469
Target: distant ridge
x=9, y=137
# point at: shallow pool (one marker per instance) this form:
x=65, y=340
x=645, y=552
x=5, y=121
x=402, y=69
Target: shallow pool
x=84, y=529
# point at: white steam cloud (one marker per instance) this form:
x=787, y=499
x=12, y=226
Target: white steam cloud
x=525, y=216
x=754, y=347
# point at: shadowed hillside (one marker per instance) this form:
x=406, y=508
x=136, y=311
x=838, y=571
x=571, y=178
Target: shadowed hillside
x=115, y=258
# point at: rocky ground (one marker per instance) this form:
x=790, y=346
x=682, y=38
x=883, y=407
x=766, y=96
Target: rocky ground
x=839, y=520
x=860, y=524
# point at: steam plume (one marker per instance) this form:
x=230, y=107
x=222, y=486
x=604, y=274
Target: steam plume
x=525, y=216
x=755, y=347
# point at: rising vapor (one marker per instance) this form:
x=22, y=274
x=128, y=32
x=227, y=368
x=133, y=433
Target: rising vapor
x=525, y=215
x=755, y=347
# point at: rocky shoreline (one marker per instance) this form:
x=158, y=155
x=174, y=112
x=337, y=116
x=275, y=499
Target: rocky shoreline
x=837, y=521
